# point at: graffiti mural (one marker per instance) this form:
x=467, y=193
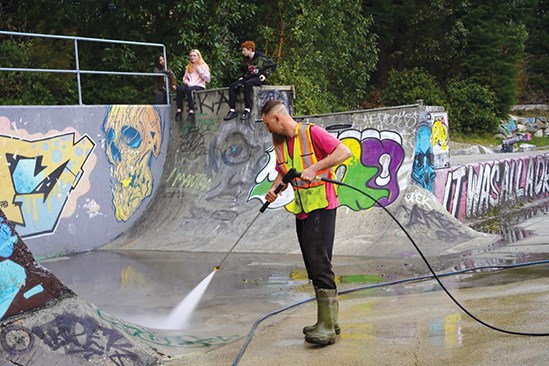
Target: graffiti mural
x=85, y=337
x=12, y=275
x=439, y=224
x=133, y=137
x=373, y=168
x=263, y=96
x=470, y=191
x=38, y=176
x=207, y=104
x=423, y=171
x=439, y=139
x=154, y=338
x=23, y=283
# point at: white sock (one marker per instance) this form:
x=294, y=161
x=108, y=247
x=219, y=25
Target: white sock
x=232, y=110
x=247, y=109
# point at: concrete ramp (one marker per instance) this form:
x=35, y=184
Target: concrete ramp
x=45, y=323
x=432, y=228
x=217, y=173
x=212, y=185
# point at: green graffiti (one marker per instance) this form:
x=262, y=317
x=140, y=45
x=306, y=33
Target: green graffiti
x=261, y=189
x=149, y=336
x=360, y=278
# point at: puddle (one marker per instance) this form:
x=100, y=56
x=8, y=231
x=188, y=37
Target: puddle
x=508, y=225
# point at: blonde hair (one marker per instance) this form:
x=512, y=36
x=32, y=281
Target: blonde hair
x=200, y=61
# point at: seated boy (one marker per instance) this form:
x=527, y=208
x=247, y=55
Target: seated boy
x=256, y=68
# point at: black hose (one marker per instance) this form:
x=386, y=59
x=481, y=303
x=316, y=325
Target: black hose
x=383, y=284
x=431, y=269
x=433, y=275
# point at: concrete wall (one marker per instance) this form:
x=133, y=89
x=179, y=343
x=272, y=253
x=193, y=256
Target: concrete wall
x=470, y=191
x=216, y=176
x=75, y=177
x=470, y=188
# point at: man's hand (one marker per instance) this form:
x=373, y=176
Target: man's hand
x=271, y=196
x=308, y=174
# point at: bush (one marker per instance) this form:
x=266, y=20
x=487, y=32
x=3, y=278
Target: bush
x=407, y=86
x=312, y=90
x=471, y=107
x=32, y=88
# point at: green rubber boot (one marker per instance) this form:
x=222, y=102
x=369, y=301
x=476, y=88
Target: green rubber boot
x=310, y=328
x=324, y=333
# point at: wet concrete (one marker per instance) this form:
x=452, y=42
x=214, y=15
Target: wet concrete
x=410, y=323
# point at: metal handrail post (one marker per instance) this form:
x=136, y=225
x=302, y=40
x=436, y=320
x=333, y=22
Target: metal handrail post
x=78, y=81
x=166, y=77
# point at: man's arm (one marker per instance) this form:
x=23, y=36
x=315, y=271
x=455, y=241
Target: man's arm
x=338, y=156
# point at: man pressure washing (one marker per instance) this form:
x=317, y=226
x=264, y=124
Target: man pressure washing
x=311, y=150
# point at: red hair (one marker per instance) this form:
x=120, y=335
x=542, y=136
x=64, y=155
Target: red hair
x=248, y=44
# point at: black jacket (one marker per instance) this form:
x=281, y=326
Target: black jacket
x=258, y=65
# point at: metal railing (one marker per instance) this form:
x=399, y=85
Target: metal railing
x=79, y=71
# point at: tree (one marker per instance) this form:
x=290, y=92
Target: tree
x=327, y=49
x=323, y=48
x=425, y=34
x=494, y=50
x=535, y=66
x=216, y=28
x=408, y=86
x=471, y=107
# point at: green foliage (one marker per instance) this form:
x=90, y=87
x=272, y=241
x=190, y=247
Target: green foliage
x=324, y=49
x=311, y=96
x=535, y=68
x=428, y=35
x=476, y=40
x=494, y=49
x=215, y=28
x=32, y=88
x=332, y=51
x=407, y=86
x=471, y=107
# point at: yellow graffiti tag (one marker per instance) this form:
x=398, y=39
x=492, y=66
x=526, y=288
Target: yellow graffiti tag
x=439, y=134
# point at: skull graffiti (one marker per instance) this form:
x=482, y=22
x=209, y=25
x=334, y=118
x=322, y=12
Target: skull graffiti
x=133, y=136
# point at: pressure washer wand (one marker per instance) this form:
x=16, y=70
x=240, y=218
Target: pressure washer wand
x=285, y=180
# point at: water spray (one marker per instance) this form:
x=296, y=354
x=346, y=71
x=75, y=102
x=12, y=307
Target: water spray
x=179, y=316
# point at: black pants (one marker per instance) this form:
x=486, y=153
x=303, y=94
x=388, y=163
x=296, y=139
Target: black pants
x=248, y=85
x=184, y=90
x=316, y=239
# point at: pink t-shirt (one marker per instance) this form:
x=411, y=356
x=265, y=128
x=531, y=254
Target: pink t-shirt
x=323, y=145
x=197, y=78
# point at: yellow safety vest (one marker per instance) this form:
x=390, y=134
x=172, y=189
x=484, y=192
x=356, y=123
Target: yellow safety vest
x=309, y=196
